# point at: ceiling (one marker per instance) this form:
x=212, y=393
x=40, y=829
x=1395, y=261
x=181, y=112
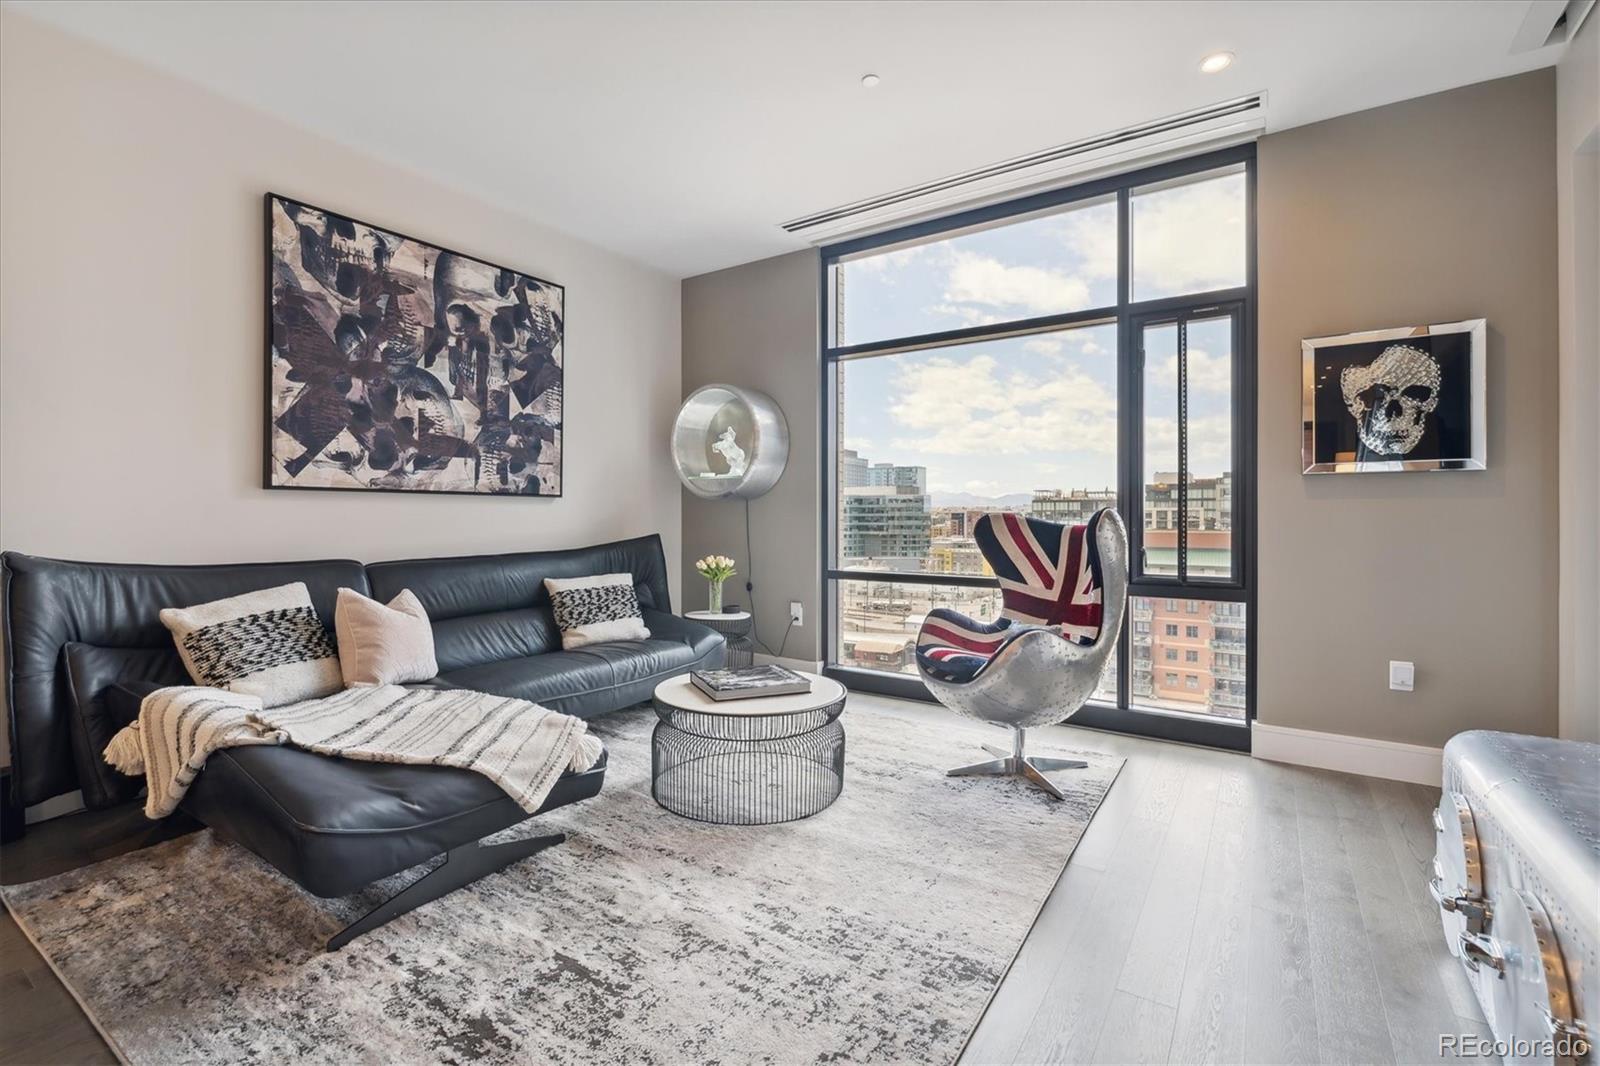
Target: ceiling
x=682, y=134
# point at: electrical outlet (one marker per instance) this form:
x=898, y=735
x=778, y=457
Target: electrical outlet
x=796, y=613
x=1402, y=676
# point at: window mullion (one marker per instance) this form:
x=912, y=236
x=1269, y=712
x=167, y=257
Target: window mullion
x=1130, y=502
x=1183, y=449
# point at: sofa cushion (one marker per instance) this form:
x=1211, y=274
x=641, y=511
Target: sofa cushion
x=383, y=643
x=539, y=678
x=92, y=674
x=334, y=825
x=473, y=639
x=125, y=701
x=701, y=640
x=482, y=584
x=267, y=643
x=593, y=610
x=640, y=660
x=600, y=677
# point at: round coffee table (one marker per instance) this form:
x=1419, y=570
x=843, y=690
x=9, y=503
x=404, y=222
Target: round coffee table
x=753, y=761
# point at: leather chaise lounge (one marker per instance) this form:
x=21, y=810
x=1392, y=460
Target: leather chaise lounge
x=80, y=636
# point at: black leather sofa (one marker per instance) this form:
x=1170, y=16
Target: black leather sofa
x=79, y=634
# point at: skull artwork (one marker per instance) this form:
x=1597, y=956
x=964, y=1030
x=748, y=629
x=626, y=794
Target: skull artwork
x=1391, y=397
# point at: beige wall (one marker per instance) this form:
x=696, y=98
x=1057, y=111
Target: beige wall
x=1578, y=212
x=131, y=326
x=756, y=326
x=1430, y=210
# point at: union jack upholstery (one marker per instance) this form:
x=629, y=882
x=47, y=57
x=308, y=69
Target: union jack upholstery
x=1050, y=578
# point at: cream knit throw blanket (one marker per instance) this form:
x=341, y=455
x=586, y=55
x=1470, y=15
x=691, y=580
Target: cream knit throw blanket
x=520, y=746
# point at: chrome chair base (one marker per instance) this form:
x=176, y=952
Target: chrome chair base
x=1017, y=763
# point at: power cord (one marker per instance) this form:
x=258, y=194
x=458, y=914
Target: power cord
x=750, y=589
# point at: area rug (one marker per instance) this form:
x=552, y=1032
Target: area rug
x=874, y=931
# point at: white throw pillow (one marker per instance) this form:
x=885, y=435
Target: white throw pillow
x=383, y=645
x=269, y=644
x=590, y=610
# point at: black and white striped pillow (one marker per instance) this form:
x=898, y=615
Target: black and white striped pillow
x=590, y=610
x=268, y=643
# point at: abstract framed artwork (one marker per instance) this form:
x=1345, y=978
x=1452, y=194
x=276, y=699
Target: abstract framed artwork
x=1395, y=400
x=394, y=365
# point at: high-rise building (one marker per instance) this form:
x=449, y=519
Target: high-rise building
x=900, y=477
x=885, y=526
x=1210, y=552
x=853, y=470
x=957, y=555
x=1188, y=654
x=885, y=520
x=956, y=521
x=1210, y=502
x=1070, y=506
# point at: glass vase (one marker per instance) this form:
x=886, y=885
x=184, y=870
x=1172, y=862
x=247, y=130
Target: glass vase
x=714, y=598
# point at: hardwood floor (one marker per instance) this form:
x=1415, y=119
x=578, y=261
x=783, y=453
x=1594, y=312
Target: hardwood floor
x=1220, y=909
x=40, y=1022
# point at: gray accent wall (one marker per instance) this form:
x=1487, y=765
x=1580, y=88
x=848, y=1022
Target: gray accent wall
x=756, y=326
x=1431, y=210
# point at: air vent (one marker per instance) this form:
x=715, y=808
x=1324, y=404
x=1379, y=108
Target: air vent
x=1217, y=126
x=1549, y=22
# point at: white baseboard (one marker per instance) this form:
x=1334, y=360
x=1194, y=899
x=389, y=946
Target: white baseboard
x=809, y=666
x=1351, y=755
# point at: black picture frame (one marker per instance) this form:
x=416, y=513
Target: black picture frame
x=525, y=334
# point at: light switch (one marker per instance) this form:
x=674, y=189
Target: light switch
x=1402, y=676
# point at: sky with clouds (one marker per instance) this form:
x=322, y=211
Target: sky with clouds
x=1040, y=411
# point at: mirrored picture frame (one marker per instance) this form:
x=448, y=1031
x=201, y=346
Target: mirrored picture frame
x=1395, y=400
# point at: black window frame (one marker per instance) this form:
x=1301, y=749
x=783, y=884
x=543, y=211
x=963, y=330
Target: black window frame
x=1130, y=318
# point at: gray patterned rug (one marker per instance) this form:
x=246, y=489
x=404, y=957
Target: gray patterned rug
x=875, y=931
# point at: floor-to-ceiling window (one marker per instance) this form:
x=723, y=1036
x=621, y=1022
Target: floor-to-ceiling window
x=1083, y=348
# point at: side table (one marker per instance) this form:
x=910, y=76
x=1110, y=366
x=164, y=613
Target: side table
x=736, y=627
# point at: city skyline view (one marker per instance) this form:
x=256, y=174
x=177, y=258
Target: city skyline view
x=1187, y=653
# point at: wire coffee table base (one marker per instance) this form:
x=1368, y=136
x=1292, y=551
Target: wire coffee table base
x=747, y=769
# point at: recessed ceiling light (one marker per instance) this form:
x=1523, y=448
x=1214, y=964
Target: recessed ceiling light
x=869, y=80
x=1216, y=62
